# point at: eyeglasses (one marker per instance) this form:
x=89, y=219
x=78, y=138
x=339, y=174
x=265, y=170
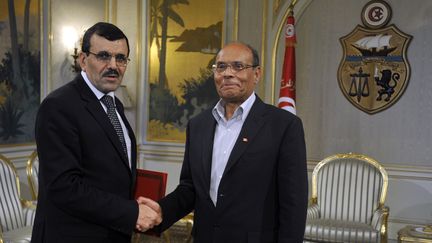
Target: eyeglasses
x=105, y=57
x=235, y=67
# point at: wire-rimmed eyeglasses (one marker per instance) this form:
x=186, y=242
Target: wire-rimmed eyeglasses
x=105, y=57
x=235, y=67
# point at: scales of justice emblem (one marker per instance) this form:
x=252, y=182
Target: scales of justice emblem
x=374, y=71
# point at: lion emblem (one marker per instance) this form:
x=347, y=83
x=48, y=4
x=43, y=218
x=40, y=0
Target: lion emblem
x=387, y=82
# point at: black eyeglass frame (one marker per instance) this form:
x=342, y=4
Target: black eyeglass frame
x=121, y=60
x=233, y=68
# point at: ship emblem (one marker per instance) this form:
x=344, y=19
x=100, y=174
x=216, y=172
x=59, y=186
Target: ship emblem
x=374, y=71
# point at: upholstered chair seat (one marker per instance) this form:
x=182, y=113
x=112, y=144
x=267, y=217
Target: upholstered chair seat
x=20, y=235
x=16, y=214
x=347, y=205
x=341, y=231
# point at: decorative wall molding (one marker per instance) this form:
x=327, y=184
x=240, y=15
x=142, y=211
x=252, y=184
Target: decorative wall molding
x=18, y=154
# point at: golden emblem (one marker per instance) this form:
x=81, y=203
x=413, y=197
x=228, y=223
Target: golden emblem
x=374, y=70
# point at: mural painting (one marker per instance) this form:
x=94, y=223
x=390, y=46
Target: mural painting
x=19, y=70
x=185, y=36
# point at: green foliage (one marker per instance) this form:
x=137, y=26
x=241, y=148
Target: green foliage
x=30, y=71
x=31, y=68
x=10, y=117
x=163, y=104
x=199, y=93
x=18, y=105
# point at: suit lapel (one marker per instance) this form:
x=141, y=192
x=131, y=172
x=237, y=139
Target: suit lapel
x=207, y=147
x=131, y=134
x=251, y=127
x=96, y=110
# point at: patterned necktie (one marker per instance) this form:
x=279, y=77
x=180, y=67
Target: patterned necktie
x=112, y=115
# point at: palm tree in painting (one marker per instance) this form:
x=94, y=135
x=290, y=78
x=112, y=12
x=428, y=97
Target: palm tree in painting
x=155, y=19
x=161, y=11
x=26, y=25
x=16, y=62
x=19, y=62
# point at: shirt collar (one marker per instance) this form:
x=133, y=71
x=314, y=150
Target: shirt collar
x=97, y=92
x=241, y=112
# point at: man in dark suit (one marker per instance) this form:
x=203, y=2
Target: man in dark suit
x=244, y=170
x=87, y=152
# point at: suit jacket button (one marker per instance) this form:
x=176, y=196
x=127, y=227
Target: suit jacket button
x=221, y=195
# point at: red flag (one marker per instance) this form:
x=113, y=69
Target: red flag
x=287, y=94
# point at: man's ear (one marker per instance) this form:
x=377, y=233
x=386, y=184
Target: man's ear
x=258, y=74
x=82, y=60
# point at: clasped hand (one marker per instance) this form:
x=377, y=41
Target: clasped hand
x=150, y=214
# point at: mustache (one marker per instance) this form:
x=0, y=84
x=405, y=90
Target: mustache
x=111, y=72
x=229, y=82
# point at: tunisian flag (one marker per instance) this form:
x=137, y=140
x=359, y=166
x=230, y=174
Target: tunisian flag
x=287, y=94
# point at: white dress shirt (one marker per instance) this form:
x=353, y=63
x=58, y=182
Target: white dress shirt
x=226, y=135
x=99, y=95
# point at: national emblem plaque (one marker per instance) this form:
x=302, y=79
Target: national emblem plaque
x=374, y=71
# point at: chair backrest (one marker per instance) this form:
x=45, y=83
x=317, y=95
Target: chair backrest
x=32, y=174
x=11, y=211
x=349, y=187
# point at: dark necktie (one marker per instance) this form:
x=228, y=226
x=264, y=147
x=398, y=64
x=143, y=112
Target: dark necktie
x=112, y=115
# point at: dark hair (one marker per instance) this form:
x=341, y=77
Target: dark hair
x=106, y=30
x=255, y=56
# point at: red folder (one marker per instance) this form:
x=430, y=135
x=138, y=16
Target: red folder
x=150, y=184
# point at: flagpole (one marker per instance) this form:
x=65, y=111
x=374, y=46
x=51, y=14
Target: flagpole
x=292, y=4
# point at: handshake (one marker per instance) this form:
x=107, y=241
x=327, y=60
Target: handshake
x=150, y=214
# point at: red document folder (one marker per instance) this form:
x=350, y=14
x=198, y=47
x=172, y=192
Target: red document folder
x=150, y=184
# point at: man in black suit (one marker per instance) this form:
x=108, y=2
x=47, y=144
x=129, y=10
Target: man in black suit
x=244, y=170
x=87, y=152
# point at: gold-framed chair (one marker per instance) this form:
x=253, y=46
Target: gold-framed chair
x=32, y=171
x=16, y=214
x=347, y=204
